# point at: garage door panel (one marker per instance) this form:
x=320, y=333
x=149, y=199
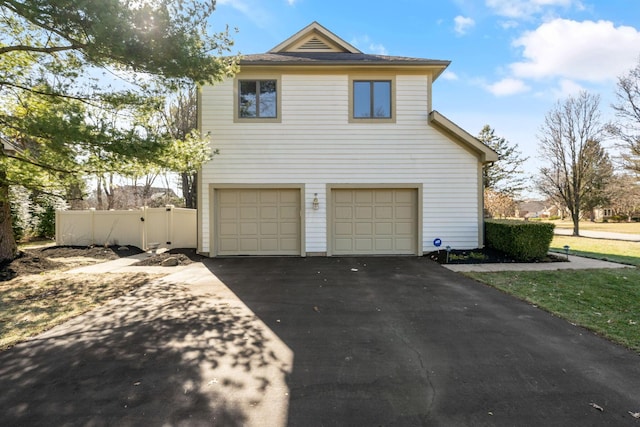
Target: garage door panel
x=343, y=197
x=404, y=212
x=228, y=244
x=364, y=245
x=374, y=221
x=249, y=245
x=292, y=197
x=268, y=196
x=228, y=213
x=269, y=228
x=363, y=196
x=258, y=221
x=384, y=212
x=248, y=229
x=403, y=228
x=343, y=228
x=364, y=228
x=384, y=244
x=342, y=212
x=268, y=244
x=248, y=212
x=289, y=228
x=289, y=212
x=384, y=228
x=248, y=197
x=364, y=212
x=406, y=244
x=384, y=196
x=289, y=244
x=343, y=245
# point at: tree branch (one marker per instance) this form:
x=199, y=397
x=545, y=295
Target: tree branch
x=25, y=48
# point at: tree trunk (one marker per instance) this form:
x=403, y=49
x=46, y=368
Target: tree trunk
x=575, y=217
x=8, y=247
x=189, y=189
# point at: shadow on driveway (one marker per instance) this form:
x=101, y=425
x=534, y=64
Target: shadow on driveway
x=160, y=356
x=405, y=342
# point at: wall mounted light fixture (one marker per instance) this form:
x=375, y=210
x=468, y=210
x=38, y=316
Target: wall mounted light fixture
x=315, y=203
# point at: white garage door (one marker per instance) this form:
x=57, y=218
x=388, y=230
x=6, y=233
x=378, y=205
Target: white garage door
x=374, y=221
x=257, y=221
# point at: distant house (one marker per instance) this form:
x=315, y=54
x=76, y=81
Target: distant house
x=325, y=150
x=535, y=209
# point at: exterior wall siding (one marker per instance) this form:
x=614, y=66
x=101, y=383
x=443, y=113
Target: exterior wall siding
x=315, y=145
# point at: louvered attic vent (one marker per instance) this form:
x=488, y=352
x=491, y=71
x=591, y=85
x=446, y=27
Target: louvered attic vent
x=315, y=43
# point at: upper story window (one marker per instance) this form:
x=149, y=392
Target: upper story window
x=258, y=99
x=372, y=99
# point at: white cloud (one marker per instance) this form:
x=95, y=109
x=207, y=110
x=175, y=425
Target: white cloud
x=567, y=88
x=449, y=75
x=462, y=24
x=364, y=43
x=507, y=86
x=584, y=51
x=519, y=9
x=291, y=2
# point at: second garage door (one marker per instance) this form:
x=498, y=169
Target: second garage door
x=374, y=221
x=258, y=221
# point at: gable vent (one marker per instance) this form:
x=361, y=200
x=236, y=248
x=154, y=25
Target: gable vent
x=314, y=43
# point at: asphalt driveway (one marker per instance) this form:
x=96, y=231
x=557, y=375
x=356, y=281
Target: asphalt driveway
x=319, y=342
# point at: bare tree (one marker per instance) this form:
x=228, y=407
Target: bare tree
x=627, y=109
x=570, y=145
x=181, y=119
x=499, y=204
x=625, y=196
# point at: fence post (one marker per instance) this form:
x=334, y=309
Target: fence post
x=143, y=228
x=169, y=209
x=92, y=212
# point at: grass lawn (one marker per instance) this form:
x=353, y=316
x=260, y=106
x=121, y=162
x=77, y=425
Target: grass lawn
x=611, y=250
x=35, y=303
x=612, y=227
x=606, y=301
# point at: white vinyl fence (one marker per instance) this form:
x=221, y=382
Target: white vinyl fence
x=168, y=227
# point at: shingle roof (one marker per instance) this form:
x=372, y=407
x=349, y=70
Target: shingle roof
x=336, y=58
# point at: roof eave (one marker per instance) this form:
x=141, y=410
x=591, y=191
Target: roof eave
x=484, y=153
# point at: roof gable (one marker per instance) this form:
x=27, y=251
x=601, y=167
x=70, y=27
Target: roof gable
x=314, y=38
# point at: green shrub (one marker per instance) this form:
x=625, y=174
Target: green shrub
x=523, y=240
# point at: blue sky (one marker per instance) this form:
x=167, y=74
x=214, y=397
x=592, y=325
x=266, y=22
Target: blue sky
x=512, y=60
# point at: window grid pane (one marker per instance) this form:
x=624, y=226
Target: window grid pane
x=248, y=98
x=258, y=98
x=372, y=99
x=361, y=99
x=382, y=99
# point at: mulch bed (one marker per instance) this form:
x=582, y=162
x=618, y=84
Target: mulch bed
x=182, y=255
x=481, y=256
x=39, y=260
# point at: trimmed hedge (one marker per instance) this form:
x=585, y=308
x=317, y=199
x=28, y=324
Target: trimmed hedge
x=523, y=240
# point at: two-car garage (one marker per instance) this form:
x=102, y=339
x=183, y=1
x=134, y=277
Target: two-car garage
x=360, y=221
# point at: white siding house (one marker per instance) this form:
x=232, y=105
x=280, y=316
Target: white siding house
x=303, y=169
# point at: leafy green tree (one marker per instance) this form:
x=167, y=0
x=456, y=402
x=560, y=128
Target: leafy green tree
x=506, y=175
x=575, y=161
x=77, y=78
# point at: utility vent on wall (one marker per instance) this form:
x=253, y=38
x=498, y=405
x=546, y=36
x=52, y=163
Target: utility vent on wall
x=314, y=43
